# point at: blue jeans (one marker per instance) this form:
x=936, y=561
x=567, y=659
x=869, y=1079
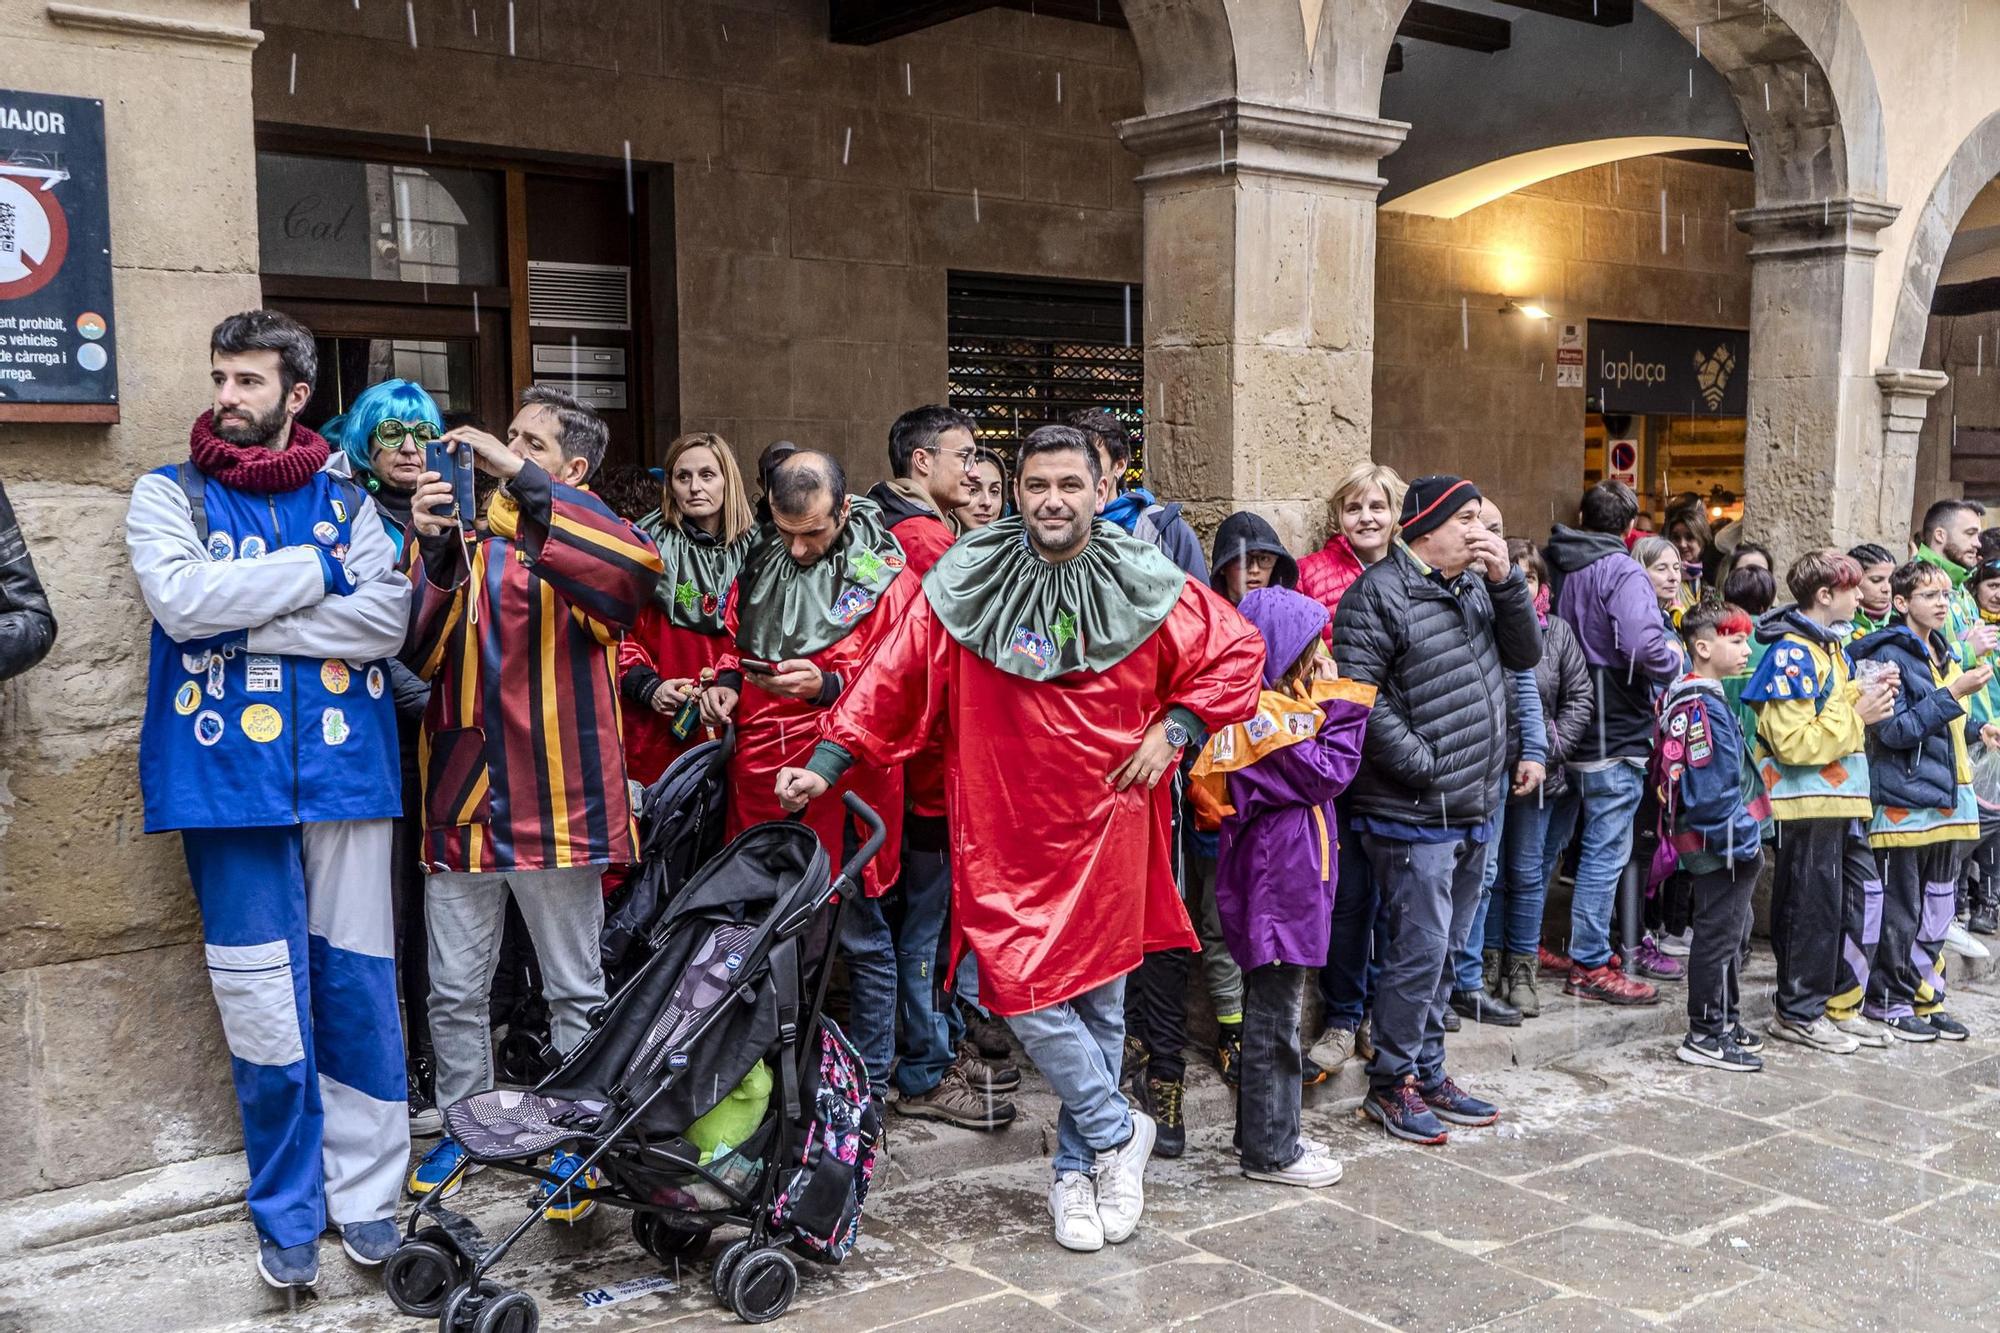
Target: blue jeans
x=924, y=1048
x=1466, y=961
x=1538, y=829
x=871, y=981
x=1429, y=892
x=1078, y=1044
x=1610, y=800
x=1354, y=944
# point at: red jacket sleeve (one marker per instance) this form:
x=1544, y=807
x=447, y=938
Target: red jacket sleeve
x=1213, y=663
x=889, y=710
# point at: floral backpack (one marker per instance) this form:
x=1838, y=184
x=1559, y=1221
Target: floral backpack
x=820, y=1199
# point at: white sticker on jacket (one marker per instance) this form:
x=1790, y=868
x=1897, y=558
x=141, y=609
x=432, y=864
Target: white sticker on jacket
x=264, y=674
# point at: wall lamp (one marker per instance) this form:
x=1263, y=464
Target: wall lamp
x=1527, y=310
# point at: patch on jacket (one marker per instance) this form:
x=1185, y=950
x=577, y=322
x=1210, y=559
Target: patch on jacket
x=1789, y=671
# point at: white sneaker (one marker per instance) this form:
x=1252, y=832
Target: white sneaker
x=1073, y=1205
x=1674, y=946
x=1864, y=1030
x=1961, y=943
x=1315, y=1169
x=1819, y=1034
x=1121, y=1181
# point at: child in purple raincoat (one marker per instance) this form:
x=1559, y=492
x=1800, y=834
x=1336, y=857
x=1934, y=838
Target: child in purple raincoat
x=1275, y=777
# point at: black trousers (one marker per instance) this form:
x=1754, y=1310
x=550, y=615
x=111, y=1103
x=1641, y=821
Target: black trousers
x=1719, y=902
x=1819, y=893
x=1919, y=896
x=1267, y=1099
x=1156, y=994
x=413, y=955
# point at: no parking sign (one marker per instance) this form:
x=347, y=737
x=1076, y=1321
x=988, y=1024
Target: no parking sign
x=1621, y=459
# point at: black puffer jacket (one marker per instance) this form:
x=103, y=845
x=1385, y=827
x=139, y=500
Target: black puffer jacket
x=27, y=626
x=1436, y=748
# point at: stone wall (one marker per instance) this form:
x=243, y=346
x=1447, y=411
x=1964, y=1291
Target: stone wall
x=111, y=1058
x=822, y=191
x=1963, y=347
x=1464, y=389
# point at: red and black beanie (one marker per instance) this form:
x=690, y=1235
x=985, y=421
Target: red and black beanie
x=1432, y=500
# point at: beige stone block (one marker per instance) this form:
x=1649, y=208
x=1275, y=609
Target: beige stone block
x=835, y=220
x=926, y=373
x=966, y=156
x=1007, y=236
x=825, y=436
x=736, y=376
x=1398, y=397
x=1189, y=426
x=1190, y=264
x=731, y=210
x=925, y=306
x=1274, y=245
x=870, y=146
x=922, y=74
x=1489, y=277
x=98, y=1111
x=609, y=34
x=1589, y=186
x=20, y=1172
x=852, y=381
x=1343, y=273
x=757, y=294
x=752, y=47
x=1124, y=179
x=1302, y=415
x=1526, y=226
x=449, y=23
x=1021, y=89
x=773, y=135
x=1409, y=274
x=1064, y=169
x=176, y=205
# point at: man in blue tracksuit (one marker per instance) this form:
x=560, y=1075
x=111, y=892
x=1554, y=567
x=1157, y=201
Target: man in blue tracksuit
x=270, y=744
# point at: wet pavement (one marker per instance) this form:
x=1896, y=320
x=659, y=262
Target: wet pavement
x=1621, y=1188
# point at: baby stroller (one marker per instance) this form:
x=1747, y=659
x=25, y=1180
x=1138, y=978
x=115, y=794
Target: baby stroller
x=728, y=985
x=681, y=817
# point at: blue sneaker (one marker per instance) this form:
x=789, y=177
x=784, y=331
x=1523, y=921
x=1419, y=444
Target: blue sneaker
x=370, y=1243
x=562, y=1205
x=439, y=1171
x=1452, y=1103
x=288, y=1267
x=1400, y=1110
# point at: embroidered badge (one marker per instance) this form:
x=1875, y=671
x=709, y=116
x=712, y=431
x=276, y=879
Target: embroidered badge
x=187, y=698
x=262, y=723
x=866, y=565
x=1261, y=727
x=1032, y=646
x=1065, y=627
x=333, y=726
x=374, y=682
x=325, y=533
x=852, y=605
x=333, y=674
x=221, y=546
x=252, y=547
x=685, y=595
x=208, y=726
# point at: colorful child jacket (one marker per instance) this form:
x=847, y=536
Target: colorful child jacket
x=1811, y=743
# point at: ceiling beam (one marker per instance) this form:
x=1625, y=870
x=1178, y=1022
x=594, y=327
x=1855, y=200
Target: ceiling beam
x=1428, y=22
x=866, y=22
x=1603, y=13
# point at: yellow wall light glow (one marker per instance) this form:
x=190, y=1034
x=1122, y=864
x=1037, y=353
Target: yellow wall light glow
x=1457, y=195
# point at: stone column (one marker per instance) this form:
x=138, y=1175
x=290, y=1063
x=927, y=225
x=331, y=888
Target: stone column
x=1260, y=304
x=1814, y=467
x=1906, y=399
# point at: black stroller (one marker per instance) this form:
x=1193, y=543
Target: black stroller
x=681, y=818
x=729, y=983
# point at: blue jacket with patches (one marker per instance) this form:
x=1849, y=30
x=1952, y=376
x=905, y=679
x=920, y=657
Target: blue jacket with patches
x=1703, y=761
x=268, y=700
x=1912, y=757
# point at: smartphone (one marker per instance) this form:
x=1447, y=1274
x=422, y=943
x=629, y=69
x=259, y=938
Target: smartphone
x=454, y=464
x=758, y=665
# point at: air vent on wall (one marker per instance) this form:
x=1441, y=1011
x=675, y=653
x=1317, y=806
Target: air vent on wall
x=579, y=296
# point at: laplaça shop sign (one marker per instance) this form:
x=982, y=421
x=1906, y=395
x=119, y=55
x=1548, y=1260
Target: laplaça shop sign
x=1668, y=369
x=58, y=346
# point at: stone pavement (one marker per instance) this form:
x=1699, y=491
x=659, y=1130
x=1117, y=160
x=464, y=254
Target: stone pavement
x=1621, y=1188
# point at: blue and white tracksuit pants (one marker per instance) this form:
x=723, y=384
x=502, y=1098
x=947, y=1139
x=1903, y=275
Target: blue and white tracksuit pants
x=301, y=953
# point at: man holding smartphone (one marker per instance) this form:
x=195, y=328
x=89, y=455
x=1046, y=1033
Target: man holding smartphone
x=822, y=584
x=523, y=770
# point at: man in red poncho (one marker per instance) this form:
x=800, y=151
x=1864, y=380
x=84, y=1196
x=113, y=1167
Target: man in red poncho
x=821, y=585
x=1065, y=664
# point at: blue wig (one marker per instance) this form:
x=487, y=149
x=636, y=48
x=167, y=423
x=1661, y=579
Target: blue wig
x=353, y=431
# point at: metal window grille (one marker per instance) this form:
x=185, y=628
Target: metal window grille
x=1025, y=352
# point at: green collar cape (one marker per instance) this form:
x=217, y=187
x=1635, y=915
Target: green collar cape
x=1930, y=557
x=699, y=570
x=1003, y=602
x=783, y=611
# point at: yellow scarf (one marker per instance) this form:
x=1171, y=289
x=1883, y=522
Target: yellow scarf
x=503, y=515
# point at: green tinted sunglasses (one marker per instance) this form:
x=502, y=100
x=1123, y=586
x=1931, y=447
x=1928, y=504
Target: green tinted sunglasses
x=391, y=434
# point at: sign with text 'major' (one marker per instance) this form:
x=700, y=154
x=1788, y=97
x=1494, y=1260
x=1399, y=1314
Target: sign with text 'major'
x=58, y=349
x=1668, y=370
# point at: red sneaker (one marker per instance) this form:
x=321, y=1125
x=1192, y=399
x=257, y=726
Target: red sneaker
x=1553, y=962
x=1608, y=985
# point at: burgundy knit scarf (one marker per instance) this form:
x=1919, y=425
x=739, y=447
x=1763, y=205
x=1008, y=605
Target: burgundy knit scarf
x=252, y=467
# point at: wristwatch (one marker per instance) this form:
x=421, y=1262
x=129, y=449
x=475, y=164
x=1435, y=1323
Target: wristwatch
x=1176, y=734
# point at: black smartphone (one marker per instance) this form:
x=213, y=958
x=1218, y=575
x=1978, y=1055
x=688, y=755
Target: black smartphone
x=453, y=463
x=758, y=665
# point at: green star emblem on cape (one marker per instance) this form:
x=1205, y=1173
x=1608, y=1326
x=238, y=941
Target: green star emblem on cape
x=685, y=596
x=866, y=565
x=1065, y=628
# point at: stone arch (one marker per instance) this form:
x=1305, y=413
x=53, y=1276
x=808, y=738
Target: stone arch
x=1325, y=55
x=1972, y=167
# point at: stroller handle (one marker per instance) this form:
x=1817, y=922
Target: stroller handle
x=878, y=833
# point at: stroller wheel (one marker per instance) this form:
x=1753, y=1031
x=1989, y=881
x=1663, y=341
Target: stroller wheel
x=763, y=1285
x=665, y=1241
x=725, y=1268
x=512, y=1312
x=462, y=1306
x=419, y=1276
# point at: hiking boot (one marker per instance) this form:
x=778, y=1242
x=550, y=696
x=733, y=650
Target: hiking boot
x=1451, y=1019
x=1557, y=964
x=1717, y=1053
x=1608, y=985
x=1822, y=1035
x=1863, y=1029
x=1314, y=1168
x=983, y=1074
x=1962, y=944
x=987, y=1034
x=370, y=1243
x=1484, y=1007
x=1073, y=1205
x=1746, y=1040
x=1451, y=1103
x=1121, y=1181
x=1229, y=1052
x=1364, y=1042
x=1334, y=1048
x=288, y=1267
x=439, y=1170
x=1489, y=971
x=425, y=1117
x=1985, y=917
x=1518, y=980
x=1947, y=1027
x=1910, y=1028
x=1132, y=1070
x=1311, y=1075
x=561, y=1204
x=1163, y=1102
x=956, y=1102
x=1654, y=963
x=1400, y=1110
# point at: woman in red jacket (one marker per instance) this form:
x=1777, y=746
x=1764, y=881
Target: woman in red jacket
x=702, y=528
x=1365, y=505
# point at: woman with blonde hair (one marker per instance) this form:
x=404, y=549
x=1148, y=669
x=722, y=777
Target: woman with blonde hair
x=1365, y=505
x=702, y=528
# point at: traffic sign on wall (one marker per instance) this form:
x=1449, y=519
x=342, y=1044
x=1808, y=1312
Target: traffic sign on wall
x=58, y=346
